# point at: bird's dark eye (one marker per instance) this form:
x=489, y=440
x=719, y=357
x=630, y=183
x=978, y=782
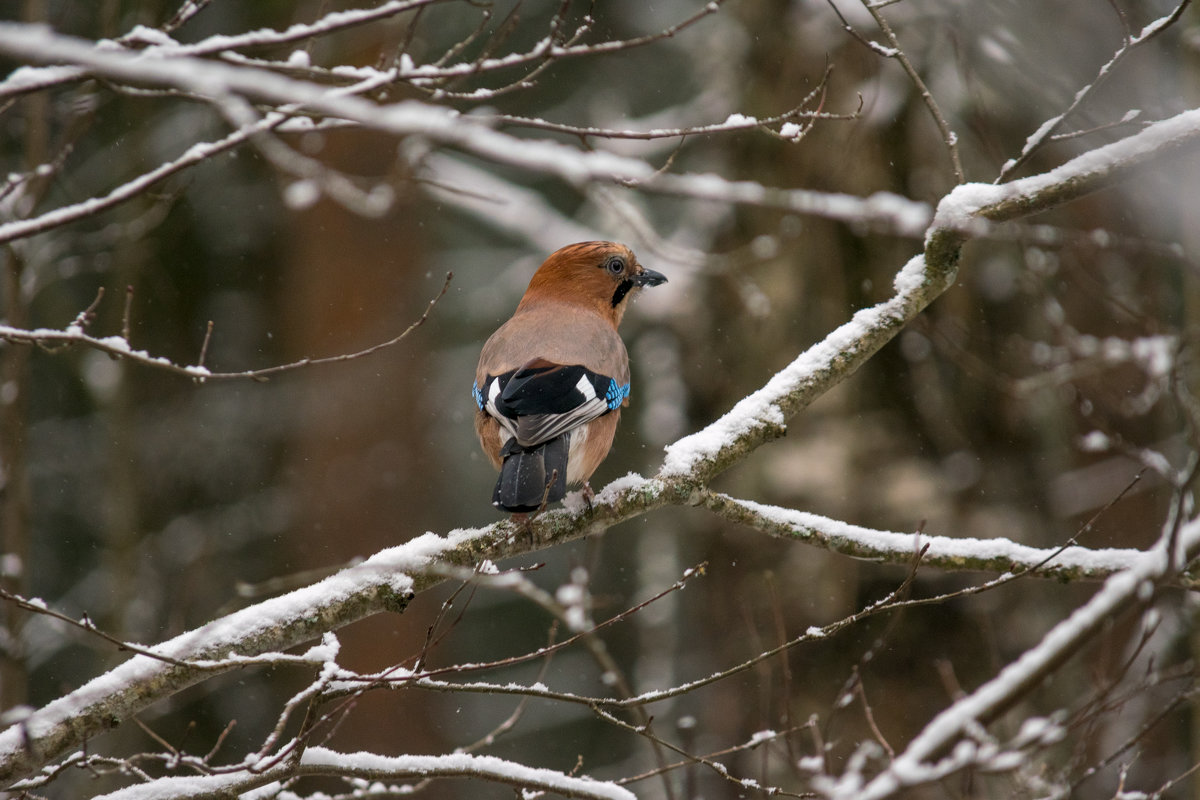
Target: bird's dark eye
x=615, y=265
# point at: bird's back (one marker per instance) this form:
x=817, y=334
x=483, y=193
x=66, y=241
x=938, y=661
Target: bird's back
x=561, y=333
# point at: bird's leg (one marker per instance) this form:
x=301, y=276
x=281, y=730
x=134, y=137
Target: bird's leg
x=588, y=494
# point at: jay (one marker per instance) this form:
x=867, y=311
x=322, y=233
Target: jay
x=552, y=380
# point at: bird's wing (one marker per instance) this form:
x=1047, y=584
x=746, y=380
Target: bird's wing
x=542, y=400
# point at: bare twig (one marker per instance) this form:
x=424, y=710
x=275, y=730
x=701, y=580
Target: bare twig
x=709, y=761
x=85, y=317
x=757, y=740
x=184, y=14
x=949, y=137
x=510, y=722
x=127, y=315
x=1050, y=127
x=735, y=122
x=86, y=624
x=119, y=347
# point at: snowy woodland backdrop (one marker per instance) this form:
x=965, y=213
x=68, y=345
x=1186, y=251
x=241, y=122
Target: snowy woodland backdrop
x=949, y=249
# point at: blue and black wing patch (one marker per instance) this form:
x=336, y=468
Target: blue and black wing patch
x=542, y=400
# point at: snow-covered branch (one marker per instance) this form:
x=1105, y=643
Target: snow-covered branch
x=883, y=211
x=947, y=743
x=948, y=553
x=388, y=579
x=218, y=82
x=369, y=766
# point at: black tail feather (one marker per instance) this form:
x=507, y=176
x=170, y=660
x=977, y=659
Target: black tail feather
x=531, y=476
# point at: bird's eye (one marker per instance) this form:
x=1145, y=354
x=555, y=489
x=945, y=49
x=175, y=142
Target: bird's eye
x=615, y=265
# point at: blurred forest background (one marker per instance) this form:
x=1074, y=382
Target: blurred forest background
x=153, y=503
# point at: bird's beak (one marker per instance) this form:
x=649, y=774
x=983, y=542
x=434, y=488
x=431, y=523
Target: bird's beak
x=648, y=277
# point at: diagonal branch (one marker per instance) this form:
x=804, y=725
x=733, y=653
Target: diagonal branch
x=969, y=208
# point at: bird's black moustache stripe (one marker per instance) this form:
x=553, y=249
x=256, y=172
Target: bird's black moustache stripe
x=622, y=289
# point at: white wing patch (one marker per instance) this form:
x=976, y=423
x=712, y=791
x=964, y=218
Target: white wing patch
x=584, y=387
x=508, y=427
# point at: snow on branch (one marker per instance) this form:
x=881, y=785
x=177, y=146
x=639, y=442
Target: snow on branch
x=197, y=153
x=155, y=43
x=433, y=78
x=383, y=582
x=388, y=580
x=762, y=415
x=948, y=553
x=158, y=43
x=967, y=210
x=222, y=84
x=945, y=746
x=369, y=766
x=228, y=85
x=961, y=213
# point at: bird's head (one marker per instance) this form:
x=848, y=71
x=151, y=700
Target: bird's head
x=599, y=275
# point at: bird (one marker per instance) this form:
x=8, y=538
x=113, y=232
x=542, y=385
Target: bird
x=552, y=380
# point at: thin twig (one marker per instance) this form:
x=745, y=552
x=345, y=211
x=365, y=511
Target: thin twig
x=119, y=347
x=708, y=761
x=127, y=314
x=208, y=330
x=85, y=317
x=755, y=741
x=86, y=624
x=949, y=137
